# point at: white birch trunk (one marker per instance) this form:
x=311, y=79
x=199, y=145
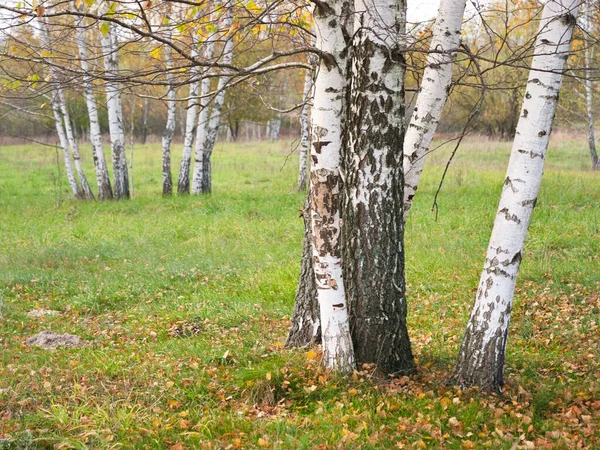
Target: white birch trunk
x=307, y=95
x=203, y=119
x=86, y=192
x=275, y=127
x=115, y=116
x=58, y=118
x=482, y=354
x=433, y=94
x=102, y=178
x=325, y=185
x=64, y=145
x=588, y=86
x=183, y=183
x=212, y=129
x=167, y=181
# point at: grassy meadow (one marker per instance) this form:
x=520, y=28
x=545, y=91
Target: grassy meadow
x=125, y=275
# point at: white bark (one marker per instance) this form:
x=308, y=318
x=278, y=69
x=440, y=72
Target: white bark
x=481, y=358
x=203, y=120
x=305, y=128
x=86, y=192
x=183, y=183
x=58, y=117
x=433, y=94
x=212, y=129
x=64, y=145
x=325, y=182
x=102, y=178
x=115, y=115
x=167, y=137
x=588, y=86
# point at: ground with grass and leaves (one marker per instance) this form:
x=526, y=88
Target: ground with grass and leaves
x=184, y=304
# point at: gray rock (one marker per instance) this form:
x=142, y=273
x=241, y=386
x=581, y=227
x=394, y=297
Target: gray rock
x=48, y=339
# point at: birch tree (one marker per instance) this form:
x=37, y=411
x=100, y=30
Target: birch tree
x=373, y=229
x=102, y=178
x=115, y=112
x=433, y=93
x=587, y=82
x=304, y=125
x=167, y=181
x=183, y=183
x=325, y=183
x=482, y=353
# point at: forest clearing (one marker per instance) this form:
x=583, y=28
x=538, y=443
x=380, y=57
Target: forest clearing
x=184, y=304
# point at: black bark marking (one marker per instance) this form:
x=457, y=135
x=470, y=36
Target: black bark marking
x=510, y=217
x=319, y=145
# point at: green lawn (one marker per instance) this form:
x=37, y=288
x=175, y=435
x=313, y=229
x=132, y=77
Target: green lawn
x=123, y=274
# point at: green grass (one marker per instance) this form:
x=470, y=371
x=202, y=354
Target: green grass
x=123, y=273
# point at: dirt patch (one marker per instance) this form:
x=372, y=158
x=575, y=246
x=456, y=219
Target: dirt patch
x=48, y=339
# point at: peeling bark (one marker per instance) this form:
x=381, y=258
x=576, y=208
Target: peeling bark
x=325, y=184
x=373, y=228
x=115, y=116
x=433, y=93
x=167, y=180
x=305, y=327
x=482, y=354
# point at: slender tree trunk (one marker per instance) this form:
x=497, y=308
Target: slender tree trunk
x=373, y=228
x=482, y=353
x=183, y=183
x=58, y=118
x=305, y=327
x=145, y=114
x=167, y=181
x=325, y=183
x=64, y=145
x=115, y=115
x=102, y=178
x=203, y=123
x=588, y=87
x=275, y=127
x=86, y=191
x=433, y=93
x=305, y=129
x=215, y=116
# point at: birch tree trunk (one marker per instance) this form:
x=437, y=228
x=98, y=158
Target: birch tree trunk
x=588, y=86
x=203, y=123
x=102, y=178
x=304, y=127
x=215, y=116
x=167, y=181
x=183, y=183
x=305, y=329
x=86, y=192
x=373, y=228
x=482, y=354
x=433, y=94
x=64, y=145
x=115, y=115
x=325, y=183
x=58, y=118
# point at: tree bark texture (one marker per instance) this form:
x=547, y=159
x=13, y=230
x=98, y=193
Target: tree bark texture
x=305, y=327
x=102, y=178
x=373, y=228
x=86, y=191
x=325, y=183
x=167, y=180
x=433, y=93
x=183, y=182
x=307, y=95
x=482, y=354
x=115, y=116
